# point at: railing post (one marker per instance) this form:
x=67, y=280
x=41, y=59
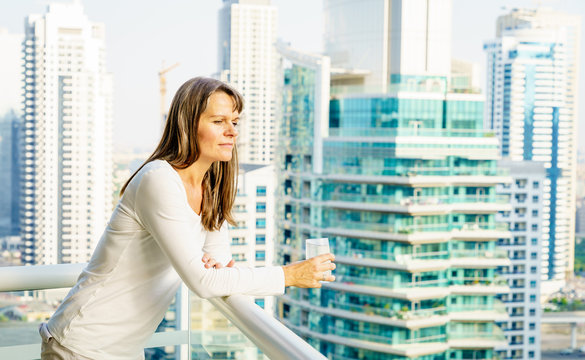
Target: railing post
x=182, y=317
x=574, y=335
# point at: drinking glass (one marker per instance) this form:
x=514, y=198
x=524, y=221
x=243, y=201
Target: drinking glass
x=314, y=247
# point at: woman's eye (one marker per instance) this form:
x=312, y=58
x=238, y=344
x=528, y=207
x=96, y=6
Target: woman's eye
x=217, y=121
x=235, y=123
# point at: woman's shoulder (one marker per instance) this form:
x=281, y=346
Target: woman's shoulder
x=155, y=173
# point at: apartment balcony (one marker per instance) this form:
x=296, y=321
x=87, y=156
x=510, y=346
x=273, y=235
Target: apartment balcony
x=477, y=339
x=418, y=233
x=417, y=176
x=479, y=286
x=423, y=261
x=258, y=331
x=412, y=347
x=420, y=205
x=479, y=312
x=419, y=289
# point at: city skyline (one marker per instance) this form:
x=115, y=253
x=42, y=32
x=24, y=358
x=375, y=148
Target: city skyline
x=437, y=198
x=136, y=92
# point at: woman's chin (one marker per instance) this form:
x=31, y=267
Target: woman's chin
x=226, y=158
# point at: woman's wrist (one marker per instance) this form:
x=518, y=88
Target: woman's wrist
x=286, y=275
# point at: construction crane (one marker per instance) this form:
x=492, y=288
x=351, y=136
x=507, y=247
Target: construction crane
x=163, y=91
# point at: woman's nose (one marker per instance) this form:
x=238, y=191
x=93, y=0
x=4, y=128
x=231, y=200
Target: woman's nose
x=232, y=130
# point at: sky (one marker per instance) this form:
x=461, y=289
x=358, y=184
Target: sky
x=140, y=35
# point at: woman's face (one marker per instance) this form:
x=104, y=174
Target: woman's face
x=217, y=128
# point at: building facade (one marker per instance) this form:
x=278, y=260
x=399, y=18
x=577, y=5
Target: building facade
x=252, y=239
x=248, y=60
x=407, y=199
x=524, y=249
x=67, y=166
x=531, y=105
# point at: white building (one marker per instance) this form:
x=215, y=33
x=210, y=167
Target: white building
x=253, y=236
x=388, y=38
x=248, y=60
x=531, y=105
x=524, y=249
x=67, y=136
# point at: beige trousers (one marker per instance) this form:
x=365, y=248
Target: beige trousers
x=52, y=350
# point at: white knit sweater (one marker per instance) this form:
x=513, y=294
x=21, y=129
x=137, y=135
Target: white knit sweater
x=152, y=242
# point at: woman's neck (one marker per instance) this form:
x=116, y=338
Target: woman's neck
x=193, y=174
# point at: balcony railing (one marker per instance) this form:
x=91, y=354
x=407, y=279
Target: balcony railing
x=341, y=169
x=389, y=283
x=419, y=200
x=389, y=313
x=496, y=334
x=413, y=229
x=430, y=255
x=409, y=132
x=270, y=336
x=385, y=339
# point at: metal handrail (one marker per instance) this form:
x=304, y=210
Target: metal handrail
x=267, y=333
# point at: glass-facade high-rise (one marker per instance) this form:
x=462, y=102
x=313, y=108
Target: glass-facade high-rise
x=531, y=105
x=403, y=184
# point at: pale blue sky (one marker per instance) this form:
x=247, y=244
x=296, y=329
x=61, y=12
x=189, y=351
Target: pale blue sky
x=141, y=34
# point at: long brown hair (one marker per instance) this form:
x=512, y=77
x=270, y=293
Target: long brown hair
x=179, y=146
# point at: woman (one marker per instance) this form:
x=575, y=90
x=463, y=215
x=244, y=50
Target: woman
x=170, y=225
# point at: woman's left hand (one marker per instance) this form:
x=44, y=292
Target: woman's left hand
x=210, y=262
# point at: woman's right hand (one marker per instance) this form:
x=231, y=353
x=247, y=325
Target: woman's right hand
x=308, y=273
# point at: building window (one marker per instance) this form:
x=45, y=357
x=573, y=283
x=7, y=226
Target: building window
x=532, y=298
x=259, y=302
x=534, y=213
x=535, y=184
x=238, y=241
x=532, y=312
x=260, y=239
x=534, y=241
x=521, y=183
x=261, y=223
x=535, y=199
x=533, y=269
x=260, y=255
x=533, y=256
x=534, y=227
x=261, y=207
x=239, y=257
x=531, y=354
x=533, y=284
x=532, y=326
x=260, y=190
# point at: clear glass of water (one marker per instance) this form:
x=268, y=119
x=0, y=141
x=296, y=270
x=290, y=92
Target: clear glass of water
x=315, y=247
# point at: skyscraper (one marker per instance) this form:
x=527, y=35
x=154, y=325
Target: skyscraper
x=66, y=151
x=531, y=104
x=386, y=38
x=524, y=247
x=248, y=60
x=393, y=166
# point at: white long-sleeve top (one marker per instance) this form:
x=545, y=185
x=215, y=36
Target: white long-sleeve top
x=153, y=240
